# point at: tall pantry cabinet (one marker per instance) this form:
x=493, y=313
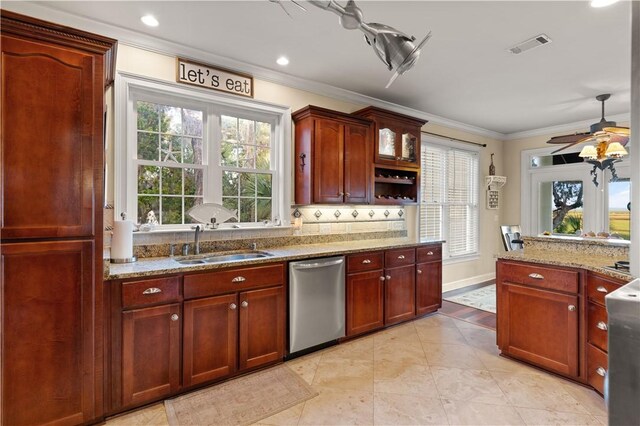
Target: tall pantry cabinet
x=51, y=171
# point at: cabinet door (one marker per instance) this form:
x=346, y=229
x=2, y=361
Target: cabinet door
x=357, y=161
x=400, y=294
x=210, y=338
x=48, y=333
x=328, y=162
x=388, y=139
x=539, y=326
x=150, y=353
x=365, y=302
x=428, y=287
x=53, y=128
x=262, y=315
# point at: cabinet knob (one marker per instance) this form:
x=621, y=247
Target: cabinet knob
x=388, y=277
x=244, y=304
x=381, y=278
x=347, y=194
x=536, y=276
x=341, y=194
x=429, y=253
x=174, y=317
x=602, y=326
x=401, y=256
x=366, y=261
x=419, y=271
x=152, y=290
x=601, y=371
x=601, y=289
x=572, y=308
x=233, y=306
x=238, y=279
x=398, y=158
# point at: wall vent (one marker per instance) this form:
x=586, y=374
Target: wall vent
x=532, y=43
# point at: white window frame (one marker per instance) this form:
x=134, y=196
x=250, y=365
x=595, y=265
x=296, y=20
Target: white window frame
x=595, y=205
x=130, y=87
x=448, y=144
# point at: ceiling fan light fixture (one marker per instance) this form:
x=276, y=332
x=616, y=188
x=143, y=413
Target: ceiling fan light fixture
x=602, y=3
x=615, y=150
x=589, y=152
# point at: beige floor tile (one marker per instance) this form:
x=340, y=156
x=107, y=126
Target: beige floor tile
x=468, y=385
x=532, y=416
x=404, y=379
x=588, y=398
x=359, y=349
x=460, y=324
x=338, y=407
x=480, y=338
x=288, y=417
x=542, y=392
x=604, y=420
x=305, y=366
x=492, y=361
x=345, y=374
x=400, y=350
x=406, y=331
x=476, y=413
x=457, y=356
x=154, y=415
x=435, y=334
x=393, y=409
x=435, y=320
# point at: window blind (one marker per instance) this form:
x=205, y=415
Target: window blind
x=449, y=194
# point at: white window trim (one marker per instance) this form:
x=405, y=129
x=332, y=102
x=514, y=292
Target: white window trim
x=443, y=142
x=127, y=84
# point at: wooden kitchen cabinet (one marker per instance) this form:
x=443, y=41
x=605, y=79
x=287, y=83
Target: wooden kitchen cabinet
x=365, y=302
x=538, y=318
x=150, y=353
x=428, y=279
x=399, y=296
x=332, y=157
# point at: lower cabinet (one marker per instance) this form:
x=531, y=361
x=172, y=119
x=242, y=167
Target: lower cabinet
x=150, y=353
x=365, y=302
x=428, y=287
x=400, y=294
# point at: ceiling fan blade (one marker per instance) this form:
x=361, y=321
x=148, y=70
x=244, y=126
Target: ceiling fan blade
x=565, y=147
x=622, y=131
x=568, y=138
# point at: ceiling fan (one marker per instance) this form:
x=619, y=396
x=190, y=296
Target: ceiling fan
x=598, y=130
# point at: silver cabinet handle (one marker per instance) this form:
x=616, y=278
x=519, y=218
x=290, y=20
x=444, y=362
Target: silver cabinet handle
x=233, y=306
x=419, y=271
x=602, y=326
x=152, y=290
x=601, y=371
x=341, y=194
x=572, y=308
x=366, y=261
x=401, y=256
x=601, y=289
x=398, y=158
x=429, y=253
x=174, y=317
x=536, y=276
x=244, y=304
x=347, y=194
x=238, y=279
x=382, y=278
x=388, y=277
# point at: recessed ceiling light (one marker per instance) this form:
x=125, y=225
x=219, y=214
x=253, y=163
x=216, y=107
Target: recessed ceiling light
x=150, y=21
x=282, y=61
x=602, y=3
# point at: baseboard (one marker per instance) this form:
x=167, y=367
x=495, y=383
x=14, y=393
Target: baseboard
x=467, y=281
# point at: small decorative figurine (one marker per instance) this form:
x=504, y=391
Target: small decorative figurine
x=151, y=218
x=492, y=168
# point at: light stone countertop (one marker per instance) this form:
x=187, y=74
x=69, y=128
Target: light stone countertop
x=585, y=260
x=167, y=265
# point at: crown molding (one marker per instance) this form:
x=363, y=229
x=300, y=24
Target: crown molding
x=169, y=48
x=579, y=126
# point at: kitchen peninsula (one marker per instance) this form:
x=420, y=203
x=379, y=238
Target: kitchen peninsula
x=550, y=299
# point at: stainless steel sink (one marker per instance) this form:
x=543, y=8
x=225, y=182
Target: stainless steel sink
x=224, y=258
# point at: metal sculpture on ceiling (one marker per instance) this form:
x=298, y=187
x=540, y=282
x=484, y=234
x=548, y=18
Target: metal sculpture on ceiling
x=398, y=51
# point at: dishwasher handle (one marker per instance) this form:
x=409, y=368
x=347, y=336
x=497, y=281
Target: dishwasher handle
x=315, y=265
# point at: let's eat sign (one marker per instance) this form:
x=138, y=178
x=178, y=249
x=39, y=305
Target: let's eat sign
x=203, y=75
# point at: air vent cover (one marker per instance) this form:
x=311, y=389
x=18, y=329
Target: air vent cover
x=532, y=43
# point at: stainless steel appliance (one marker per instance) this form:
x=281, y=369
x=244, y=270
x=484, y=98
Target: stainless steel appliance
x=622, y=390
x=316, y=302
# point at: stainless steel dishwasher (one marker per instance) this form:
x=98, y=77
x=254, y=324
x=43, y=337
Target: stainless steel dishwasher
x=316, y=302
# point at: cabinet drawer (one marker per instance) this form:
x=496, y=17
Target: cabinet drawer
x=365, y=262
x=539, y=276
x=597, y=362
x=136, y=294
x=598, y=288
x=210, y=284
x=429, y=254
x=399, y=257
x=597, y=326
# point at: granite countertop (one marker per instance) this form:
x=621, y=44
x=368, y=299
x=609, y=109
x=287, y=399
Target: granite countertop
x=168, y=265
x=563, y=239
x=584, y=260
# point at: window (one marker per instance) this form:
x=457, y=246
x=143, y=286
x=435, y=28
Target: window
x=449, y=194
x=183, y=146
x=619, y=208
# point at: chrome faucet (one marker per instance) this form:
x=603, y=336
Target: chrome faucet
x=196, y=242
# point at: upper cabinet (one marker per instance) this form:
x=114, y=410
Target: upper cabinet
x=332, y=157
x=396, y=137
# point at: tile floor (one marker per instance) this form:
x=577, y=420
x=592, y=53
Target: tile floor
x=434, y=370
